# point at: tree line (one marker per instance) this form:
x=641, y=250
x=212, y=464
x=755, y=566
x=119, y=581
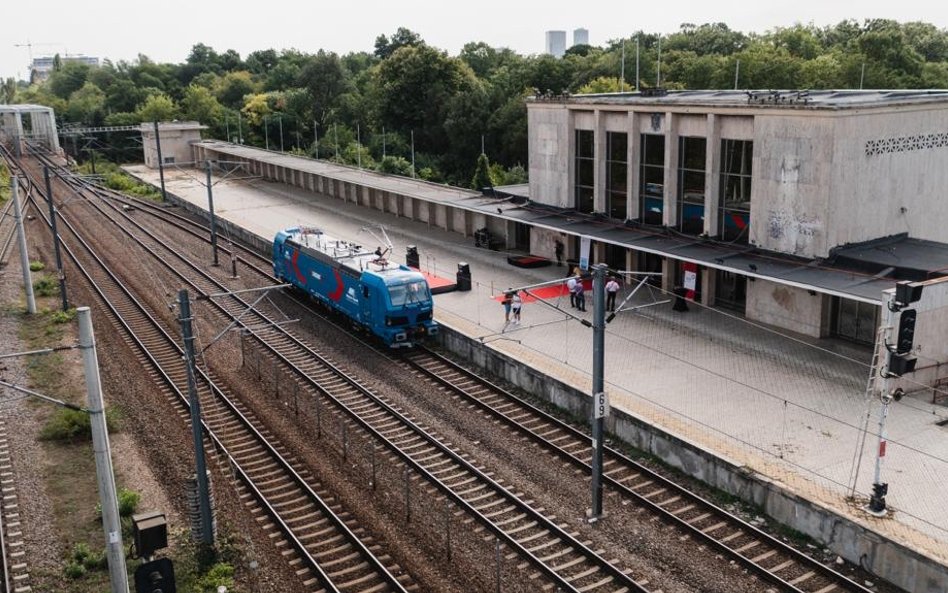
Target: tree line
x=411, y=108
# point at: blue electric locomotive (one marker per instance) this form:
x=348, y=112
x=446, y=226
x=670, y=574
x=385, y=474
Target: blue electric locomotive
x=391, y=301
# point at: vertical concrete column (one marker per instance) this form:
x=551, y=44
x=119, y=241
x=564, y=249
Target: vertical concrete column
x=631, y=264
x=632, y=158
x=709, y=278
x=19, y=128
x=668, y=274
x=670, y=214
x=598, y=252
x=599, y=185
x=712, y=175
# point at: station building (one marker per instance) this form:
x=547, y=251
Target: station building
x=793, y=208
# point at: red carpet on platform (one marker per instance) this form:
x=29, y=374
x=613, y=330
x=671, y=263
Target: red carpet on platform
x=437, y=284
x=552, y=291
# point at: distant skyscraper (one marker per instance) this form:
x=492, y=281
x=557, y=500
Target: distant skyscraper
x=556, y=43
x=580, y=37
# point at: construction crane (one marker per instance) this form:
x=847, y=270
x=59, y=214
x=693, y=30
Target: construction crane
x=29, y=46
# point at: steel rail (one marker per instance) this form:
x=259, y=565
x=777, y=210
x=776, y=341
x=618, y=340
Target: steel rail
x=235, y=465
x=551, y=527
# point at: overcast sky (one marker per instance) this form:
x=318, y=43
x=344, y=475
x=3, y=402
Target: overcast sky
x=165, y=31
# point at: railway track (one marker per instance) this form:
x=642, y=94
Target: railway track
x=326, y=551
x=16, y=577
x=771, y=559
x=554, y=553
x=703, y=521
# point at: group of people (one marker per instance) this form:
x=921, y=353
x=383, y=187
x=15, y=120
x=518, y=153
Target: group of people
x=577, y=292
x=513, y=303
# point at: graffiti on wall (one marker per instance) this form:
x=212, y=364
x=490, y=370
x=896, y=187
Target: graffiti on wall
x=793, y=231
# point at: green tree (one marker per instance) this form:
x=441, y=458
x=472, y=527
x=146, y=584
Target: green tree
x=325, y=80
x=199, y=104
x=262, y=61
x=233, y=87
x=68, y=79
x=414, y=86
x=158, y=107
x=706, y=39
x=8, y=90
x=87, y=105
x=603, y=84
x=385, y=47
x=481, y=178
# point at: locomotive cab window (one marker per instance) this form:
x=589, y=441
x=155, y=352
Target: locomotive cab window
x=365, y=291
x=408, y=293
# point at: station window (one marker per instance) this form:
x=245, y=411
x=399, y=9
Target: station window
x=736, y=160
x=855, y=321
x=652, y=190
x=585, y=170
x=691, y=159
x=616, y=174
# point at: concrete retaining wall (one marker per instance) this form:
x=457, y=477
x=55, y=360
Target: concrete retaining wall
x=856, y=543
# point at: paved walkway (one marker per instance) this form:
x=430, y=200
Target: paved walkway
x=790, y=408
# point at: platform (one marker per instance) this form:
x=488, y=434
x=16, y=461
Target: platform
x=438, y=284
x=784, y=406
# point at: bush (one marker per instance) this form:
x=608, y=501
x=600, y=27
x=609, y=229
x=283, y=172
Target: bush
x=67, y=424
x=221, y=574
x=128, y=502
x=37, y=266
x=63, y=316
x=88, y=560
x=46, y=286
x=74, y=570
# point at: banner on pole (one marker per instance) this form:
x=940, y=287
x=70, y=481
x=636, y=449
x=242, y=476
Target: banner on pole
x=584, y=243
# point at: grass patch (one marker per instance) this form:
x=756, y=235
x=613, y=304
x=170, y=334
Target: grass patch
x=37, y=266
x=60, y=317
x=45, y=285
x=127, y=505
x=4, y=183
x=74, y=425
x=113, y=177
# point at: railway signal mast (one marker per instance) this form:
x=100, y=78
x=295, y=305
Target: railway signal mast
x=899, y=361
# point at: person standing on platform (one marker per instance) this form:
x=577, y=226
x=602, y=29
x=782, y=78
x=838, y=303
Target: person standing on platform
x=558, y=249
x=612, y=288
x=580, y=295
x=508, y=303
x=571, y=287
x=516, y=304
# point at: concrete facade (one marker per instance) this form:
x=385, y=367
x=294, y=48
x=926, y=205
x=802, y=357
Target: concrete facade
x=828, y=169
x=176, y=140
